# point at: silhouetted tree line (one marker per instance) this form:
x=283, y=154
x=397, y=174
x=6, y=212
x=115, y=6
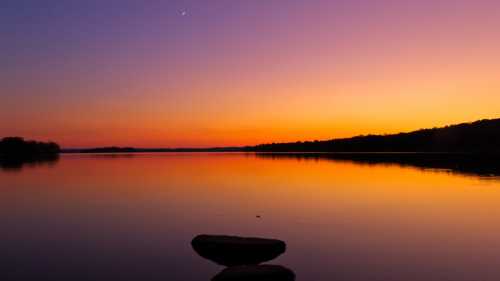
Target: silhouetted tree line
x=115, y=149
x=479, y=136
x=111, y=149
x=18, y=147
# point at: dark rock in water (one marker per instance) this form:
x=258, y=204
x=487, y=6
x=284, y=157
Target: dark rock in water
x=232, y=250
x=255, y=273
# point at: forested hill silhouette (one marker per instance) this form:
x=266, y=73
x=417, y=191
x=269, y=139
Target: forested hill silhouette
x=19, y=148
x=477, y=137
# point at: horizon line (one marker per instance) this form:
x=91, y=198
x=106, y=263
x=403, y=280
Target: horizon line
x=248, y=146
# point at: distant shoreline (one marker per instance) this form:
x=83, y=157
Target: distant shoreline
x=346, y=153
x=479, y=137
x=149, y=150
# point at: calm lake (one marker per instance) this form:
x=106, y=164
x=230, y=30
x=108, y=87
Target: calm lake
x=133, y=216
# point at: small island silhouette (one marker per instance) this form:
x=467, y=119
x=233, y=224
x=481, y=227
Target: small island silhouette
x=15, y=152
x=18, y=147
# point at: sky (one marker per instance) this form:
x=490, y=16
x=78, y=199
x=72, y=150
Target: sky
x=229, y=73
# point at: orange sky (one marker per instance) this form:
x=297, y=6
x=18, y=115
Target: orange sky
x=150, y=77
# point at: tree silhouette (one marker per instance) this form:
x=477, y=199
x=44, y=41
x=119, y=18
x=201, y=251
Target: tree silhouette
x=477, y=137
x=18, y=147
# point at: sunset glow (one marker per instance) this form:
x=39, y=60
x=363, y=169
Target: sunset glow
x=229, y=73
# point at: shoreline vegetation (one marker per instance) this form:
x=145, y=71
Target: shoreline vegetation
x=478, y=137
x=17, y=147
x=15, y=152
x=117, y=149
x=468, y=148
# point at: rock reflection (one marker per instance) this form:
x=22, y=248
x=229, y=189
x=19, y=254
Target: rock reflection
x=243, y=257
x=255, y=273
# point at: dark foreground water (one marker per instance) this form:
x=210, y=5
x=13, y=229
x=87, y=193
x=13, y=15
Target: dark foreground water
x=132, y=217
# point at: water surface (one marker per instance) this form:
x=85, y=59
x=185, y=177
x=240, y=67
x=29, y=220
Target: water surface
x=132, y=217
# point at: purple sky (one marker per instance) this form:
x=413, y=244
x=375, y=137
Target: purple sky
x=88, y=73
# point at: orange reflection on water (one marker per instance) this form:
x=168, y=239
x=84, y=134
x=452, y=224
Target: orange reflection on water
x=333, y=214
